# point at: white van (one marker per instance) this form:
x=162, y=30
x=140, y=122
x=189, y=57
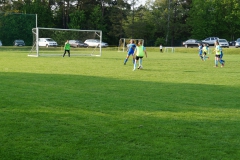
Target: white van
x=47, y=42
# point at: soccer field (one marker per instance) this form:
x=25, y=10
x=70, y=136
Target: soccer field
x=177, y=107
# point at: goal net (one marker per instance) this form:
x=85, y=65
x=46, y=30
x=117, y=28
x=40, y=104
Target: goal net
x=50, y=42
x=123, y=43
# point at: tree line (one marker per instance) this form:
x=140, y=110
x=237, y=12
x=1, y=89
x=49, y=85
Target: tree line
x=167, y=22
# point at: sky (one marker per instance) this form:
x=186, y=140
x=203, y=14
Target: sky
x=141, y=1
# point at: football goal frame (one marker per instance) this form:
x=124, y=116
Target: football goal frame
x=58, y=50
x=123, y=43
x=172, y=49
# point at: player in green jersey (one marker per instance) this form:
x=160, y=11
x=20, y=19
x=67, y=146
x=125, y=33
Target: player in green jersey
x=139, y=54
x=66, y=48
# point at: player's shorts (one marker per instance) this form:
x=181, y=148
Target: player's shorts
x=138, y=57
x=129, y=54
x=218, y=55
x=205, y=53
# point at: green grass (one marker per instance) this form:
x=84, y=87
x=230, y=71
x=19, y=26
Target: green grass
x=177, y=107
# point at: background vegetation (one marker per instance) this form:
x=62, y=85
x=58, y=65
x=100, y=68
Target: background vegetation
x=160, y=21
x=177, y=107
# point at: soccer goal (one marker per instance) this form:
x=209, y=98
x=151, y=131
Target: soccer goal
x=123, y=43
x=171, y=49
x=50, y=42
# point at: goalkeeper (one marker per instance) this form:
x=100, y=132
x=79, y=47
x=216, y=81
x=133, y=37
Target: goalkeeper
x=66, y=48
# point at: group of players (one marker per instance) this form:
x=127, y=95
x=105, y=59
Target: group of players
x=137, y=52
x=203, y=50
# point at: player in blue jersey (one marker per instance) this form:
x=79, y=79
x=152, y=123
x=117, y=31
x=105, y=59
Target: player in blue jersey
x=130, y=51
x=200, y=51
x=221, y=58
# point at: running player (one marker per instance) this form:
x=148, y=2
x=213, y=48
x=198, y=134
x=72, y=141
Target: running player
x=139, y=54
x=130, y=51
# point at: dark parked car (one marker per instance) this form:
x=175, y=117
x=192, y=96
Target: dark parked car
x=232, y=43
x=193, y=43
x=77, y=43
x=18, y=42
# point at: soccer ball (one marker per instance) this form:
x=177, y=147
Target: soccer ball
x=140, y=67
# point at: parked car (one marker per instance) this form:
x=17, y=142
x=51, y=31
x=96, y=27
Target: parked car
x=95, y=43
x=210, y=40
x=193, y=43
x=223, y=43
x=47, y=42
x=237, y=44
x=232, y=43
x=0, y=43
x=77, y=43
x=18, y=42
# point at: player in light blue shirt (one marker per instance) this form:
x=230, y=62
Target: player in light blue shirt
x=218, y=55
x=130, y=51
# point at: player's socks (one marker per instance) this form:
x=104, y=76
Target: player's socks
x=140, y=62
x=134, y=66
x=125, y=60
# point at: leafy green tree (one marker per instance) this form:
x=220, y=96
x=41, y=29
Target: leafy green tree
x=114, y=16
x=231, y=19
x=114, y=19
x=96, y=20
x=169, y=19
x=214, y=18
x=77, y=19
x=44, y=13
x=16, y=26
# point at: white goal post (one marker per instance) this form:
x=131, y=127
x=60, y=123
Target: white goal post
x=172, y=49
x=123, y=42
x=41, y=46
